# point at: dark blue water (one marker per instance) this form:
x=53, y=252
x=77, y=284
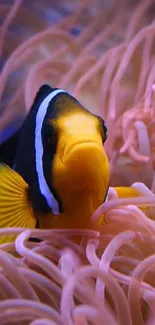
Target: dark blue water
x=11, y=129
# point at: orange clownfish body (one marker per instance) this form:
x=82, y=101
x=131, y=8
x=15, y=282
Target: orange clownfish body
x=60, y=173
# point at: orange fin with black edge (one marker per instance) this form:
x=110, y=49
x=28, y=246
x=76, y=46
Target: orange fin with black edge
x=15, y=209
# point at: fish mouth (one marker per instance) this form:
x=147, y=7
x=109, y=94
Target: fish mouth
x=78, y=146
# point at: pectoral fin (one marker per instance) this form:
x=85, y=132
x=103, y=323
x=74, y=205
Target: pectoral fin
x=129, y=192
x=126, y=192
x=15, y=209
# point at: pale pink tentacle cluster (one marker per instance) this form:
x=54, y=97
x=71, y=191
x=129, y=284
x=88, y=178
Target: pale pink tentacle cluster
x=57, y=281
x=109, y=65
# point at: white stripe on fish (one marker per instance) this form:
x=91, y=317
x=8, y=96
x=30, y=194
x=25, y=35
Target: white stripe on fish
x=44, y=189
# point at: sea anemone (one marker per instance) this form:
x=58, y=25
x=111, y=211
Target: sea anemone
x=103, y=53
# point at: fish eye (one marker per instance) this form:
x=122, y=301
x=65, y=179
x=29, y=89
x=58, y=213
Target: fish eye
x=103, y=129
x=50, y=135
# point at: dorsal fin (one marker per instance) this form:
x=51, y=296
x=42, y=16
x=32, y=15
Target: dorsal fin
x=43, y=91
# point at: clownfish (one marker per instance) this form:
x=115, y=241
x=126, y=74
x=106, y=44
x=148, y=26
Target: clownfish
x=54, y=170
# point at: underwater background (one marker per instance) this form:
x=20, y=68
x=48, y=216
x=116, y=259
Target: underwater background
x=102, y=52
